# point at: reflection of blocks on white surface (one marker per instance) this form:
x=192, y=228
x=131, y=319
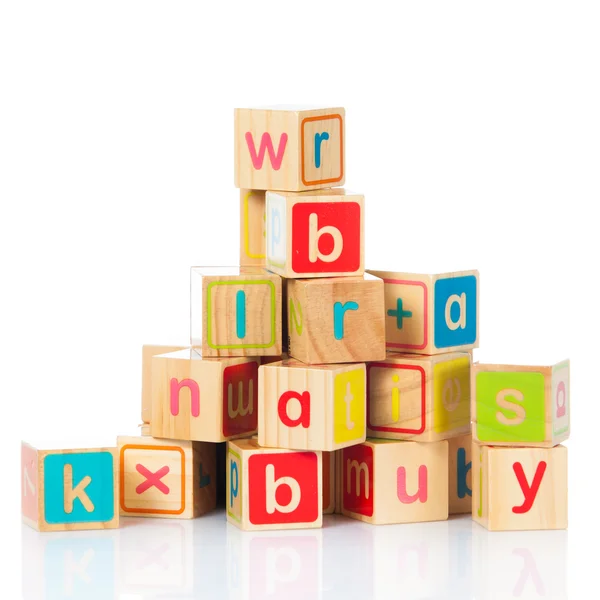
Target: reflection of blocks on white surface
x=69, y=565
x=274, y=564
x=156, y=558
x=528, y=564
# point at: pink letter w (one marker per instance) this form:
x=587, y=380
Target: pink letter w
x=266, y=144
x=421, y=494
x=194, y=394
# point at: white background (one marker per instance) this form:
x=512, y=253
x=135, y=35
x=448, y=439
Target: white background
x=473, y=129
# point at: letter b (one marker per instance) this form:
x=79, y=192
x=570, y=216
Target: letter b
x=271, y=492
x=314, y=235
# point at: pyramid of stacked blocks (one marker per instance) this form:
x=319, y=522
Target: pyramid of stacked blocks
x=313, y=386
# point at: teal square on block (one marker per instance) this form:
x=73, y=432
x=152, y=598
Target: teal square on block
x=91, y=489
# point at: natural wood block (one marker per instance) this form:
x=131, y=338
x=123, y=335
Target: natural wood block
x=336, y=320
x=289, y=148
x=252, y=228
x=315, y=234
x=460, y=488
x=203, y=399
x=515, y=405
x=166, y=478
x=235, y=311
x=66, y=490
x=272, y=488
x=431, y=314
x=413, y=397
x=329, y=487
x=303, y=407
x=520, y=488
x=395, y=482
x=148, y=351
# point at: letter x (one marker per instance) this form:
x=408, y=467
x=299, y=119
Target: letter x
x=152, y=479
x=399, y=313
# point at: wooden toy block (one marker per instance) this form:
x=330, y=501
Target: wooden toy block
x=395, y=482
x=431, y=314
x=302, y=407
x=424, y=398
x=203, y=399
x=336, y=320
x=289, y=148
x=520, y=488
x=252, y=228
x=235, y=311
x=329, y=487
x=166, y=478
x=460, y=487
x=515, y=405
x=272, y=488
x=66, y=490
x=145, y=427
x=148, y=351
x=315, y=234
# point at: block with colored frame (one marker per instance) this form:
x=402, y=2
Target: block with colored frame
x=519, y=488
x=431, y=314
x=336, y=320
x=315, y=234
x=148, y=351
x=203, y=399
x=252, y=228
x=424, y=398
x=273, y=488
x=395, y=482
x=338, y=482
x=65, y=490
x=311, y=407
x=166, y=478
x=460, y=487
x=235, y=311
x=289, y=148
x=329, y=487
x=515, y=405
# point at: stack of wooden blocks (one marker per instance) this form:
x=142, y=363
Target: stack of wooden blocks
x=336, y=389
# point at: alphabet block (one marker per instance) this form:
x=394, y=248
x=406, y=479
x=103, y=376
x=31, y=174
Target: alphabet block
x=336, y=320
x=514, y=405
x=329, y=487
x=166, y=478
x=203, y=399
x=520, y=488
x=315, y=234
x=291, y=148
x=66, y=490
x=460, y=475
x=235, y=311
x=431, y=314
x=148, y=351
x=273, y=488
x=425, y=398
x=395, y=482
x=304, y=407
x=252, y=228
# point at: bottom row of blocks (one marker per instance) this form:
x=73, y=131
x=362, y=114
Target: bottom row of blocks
x=379, y=481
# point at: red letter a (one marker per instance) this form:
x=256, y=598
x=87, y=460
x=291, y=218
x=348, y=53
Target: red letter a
x=304, y=418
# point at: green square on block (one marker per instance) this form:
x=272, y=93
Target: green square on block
x=510, y=407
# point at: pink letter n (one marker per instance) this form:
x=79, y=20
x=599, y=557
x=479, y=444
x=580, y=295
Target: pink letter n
x=194, y=395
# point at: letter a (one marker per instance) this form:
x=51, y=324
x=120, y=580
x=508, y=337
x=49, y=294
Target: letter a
x=314, y=235
x=70, y=492
x=271, y=492
x=462, y=317
x=266, y=144
x=529, y=493
x=304, y=418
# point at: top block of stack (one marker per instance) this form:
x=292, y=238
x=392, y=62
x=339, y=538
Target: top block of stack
x=289, y=148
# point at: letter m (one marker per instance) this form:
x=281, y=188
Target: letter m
x=266, y=145
x=357, y=468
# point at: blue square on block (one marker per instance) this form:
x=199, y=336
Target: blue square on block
x=455, y=311
x=79, y=488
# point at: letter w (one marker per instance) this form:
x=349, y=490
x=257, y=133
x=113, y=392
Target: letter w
x=266, y=144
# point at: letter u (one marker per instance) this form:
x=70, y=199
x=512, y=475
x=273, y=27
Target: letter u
x=420, y=495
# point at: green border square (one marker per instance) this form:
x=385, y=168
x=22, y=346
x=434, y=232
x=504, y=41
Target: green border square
x=234, y=517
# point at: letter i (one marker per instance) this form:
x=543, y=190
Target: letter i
x=395, y=400
x=240, y=314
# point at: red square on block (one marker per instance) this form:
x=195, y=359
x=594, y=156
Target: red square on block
x=240, y=389
x=357, y=479
x=29, y=482
x=326, y=237
x=283, y=488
